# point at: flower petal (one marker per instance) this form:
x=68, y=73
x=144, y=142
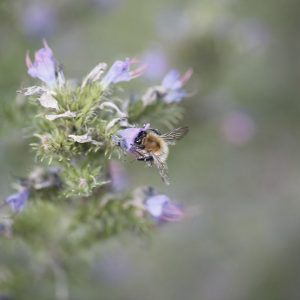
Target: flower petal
x=154, y=205
x=114, y=107
x=171, y=80
x=85, y=138
x=175, y=96
x=127, y=137
x=94, y=75
x=32, y=90
x=67, y=114
x=48, y=101
x=120, y=71
x=172, y=86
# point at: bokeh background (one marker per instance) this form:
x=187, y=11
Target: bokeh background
x=237, y=172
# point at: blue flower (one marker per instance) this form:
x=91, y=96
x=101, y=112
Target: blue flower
x=172, y=85
x=44, y=67
x=125, y=137
x=120, y=71
x=161, y=208
x=18, y=200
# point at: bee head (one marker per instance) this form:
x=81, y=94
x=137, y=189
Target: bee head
x=139, y=138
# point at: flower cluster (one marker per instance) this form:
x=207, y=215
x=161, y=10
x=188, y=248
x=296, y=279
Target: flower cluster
x=81, y=127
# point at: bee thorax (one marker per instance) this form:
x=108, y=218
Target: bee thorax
x=152, y=143
x=156, y=145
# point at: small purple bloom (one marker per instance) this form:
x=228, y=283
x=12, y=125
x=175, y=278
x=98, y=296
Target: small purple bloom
x=120, y=71
x=163, y=209
x=127, y=137
x=172, y=85
x=18, y=200
x=44, y=67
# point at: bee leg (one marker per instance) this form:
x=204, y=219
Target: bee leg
x=149, y=163
x=147, y=159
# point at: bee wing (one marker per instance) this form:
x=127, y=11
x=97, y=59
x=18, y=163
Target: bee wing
x=175, y=135
x=162, y=168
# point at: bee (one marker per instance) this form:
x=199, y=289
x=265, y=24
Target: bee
x=151, y=146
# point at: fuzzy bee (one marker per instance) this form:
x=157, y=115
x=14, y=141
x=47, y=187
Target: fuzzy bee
x=150, y=146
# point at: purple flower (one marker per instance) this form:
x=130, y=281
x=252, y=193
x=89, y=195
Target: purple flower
x=163, y=209
x=172, y=86
x=120, y=71
x=127, y=137
x=44, y=67
x=18, y=200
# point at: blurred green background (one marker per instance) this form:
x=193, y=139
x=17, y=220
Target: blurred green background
x=238, y=170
